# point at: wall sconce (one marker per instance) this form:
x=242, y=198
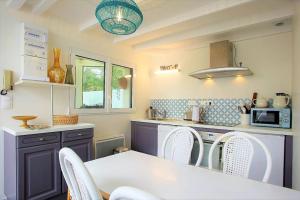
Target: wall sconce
x=169, y=69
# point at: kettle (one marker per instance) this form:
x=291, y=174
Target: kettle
x=281, y=100
x=260, y=102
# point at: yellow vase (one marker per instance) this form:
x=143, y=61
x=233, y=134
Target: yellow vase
x=56, y=73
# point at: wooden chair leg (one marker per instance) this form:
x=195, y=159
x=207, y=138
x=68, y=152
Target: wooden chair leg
x=104, y=195
x=68, y=196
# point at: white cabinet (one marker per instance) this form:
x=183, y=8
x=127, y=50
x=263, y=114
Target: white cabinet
x=34, y=68
x=275, y=144
x=34, y=53
x=163, y=131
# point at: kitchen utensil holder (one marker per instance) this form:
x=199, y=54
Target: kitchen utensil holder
x=245, y=119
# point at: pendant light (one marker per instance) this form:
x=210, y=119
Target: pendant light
x=120, y=17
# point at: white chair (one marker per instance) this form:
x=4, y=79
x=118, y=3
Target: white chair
x=130, y=193
x=182, y=140
x=82, y=187
x=238, y=153
x=80, y=184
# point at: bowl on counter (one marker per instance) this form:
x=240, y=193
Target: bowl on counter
x=24, y=119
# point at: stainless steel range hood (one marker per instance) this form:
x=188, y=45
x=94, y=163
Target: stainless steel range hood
x=221, y=63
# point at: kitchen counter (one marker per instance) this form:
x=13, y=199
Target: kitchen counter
x=245, y=128
x=18, y=131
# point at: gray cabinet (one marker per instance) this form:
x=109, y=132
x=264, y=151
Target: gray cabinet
x=40, y=176
x=32, y=170
x=144, y=137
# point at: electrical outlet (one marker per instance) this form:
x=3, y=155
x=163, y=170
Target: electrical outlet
x=209, y=103
x=206, y=103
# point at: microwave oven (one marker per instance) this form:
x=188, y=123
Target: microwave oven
x=271, y=117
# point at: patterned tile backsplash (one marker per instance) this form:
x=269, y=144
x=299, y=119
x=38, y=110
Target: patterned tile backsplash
x=220, y=111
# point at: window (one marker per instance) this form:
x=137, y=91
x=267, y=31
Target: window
x=121, y=87
x=101, y=86
x=90, y=83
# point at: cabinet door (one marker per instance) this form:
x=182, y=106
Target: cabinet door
x=144, y=138
x=275, y=145
x=39, y=175
x=84, y=150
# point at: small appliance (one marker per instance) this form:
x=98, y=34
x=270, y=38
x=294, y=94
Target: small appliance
x=281, y=100
x=271, y=117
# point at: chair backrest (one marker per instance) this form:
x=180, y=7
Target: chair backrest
x=181, y=140
x=130, y=193
x=238, y=154
x=79, y=181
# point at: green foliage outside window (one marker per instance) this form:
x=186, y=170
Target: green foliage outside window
x=93, y=80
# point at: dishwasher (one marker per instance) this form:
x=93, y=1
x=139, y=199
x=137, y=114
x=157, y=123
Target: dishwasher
x=208, y=139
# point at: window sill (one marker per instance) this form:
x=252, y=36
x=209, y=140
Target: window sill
x=113, y=112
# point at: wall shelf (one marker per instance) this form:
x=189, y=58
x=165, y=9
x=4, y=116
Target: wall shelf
x=42, y=83
x=31, y=83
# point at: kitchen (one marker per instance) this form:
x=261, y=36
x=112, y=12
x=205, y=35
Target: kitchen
x=265, y=43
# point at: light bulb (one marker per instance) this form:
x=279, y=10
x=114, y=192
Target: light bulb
x=119, y=15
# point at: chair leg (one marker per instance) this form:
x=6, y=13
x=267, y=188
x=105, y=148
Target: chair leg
x=68, y=196
x=104, y=195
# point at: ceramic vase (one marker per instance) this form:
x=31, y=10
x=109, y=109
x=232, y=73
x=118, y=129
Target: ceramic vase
x=56, y=73
x=69, y=75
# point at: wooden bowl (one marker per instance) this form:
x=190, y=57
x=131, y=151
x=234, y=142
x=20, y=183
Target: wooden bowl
x=24, y=119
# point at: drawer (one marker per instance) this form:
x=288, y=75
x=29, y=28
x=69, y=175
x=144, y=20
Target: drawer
x=38, y=139
x=77, y=134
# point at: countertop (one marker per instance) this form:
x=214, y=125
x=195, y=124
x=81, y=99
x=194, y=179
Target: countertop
x=245, y=128
x=18, y=131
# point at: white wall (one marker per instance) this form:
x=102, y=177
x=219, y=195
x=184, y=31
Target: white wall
x=269, y=57
x=36, y=100
x=296, y=98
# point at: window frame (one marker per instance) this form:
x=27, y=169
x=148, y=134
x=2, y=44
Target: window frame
x=107, y=85
x=122, y=110
x=88, y=55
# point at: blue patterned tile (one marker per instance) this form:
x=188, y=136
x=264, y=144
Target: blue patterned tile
x=221, y=110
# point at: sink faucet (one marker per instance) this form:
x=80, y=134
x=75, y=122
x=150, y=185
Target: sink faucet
x=162, y=114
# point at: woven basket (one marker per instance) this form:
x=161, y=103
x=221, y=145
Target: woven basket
x=65, y=119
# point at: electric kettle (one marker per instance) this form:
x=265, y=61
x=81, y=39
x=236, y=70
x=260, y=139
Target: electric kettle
x=260, y=102
x=281, y=100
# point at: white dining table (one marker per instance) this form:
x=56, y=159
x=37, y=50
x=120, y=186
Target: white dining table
x=169, y=180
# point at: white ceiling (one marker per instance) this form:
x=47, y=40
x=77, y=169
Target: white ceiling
x=170, y=24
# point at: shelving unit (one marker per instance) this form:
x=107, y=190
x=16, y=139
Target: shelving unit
x=30, y=83
x=41, y=83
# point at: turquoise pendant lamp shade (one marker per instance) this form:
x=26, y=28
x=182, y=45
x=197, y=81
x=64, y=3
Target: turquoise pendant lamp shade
x=120, y=17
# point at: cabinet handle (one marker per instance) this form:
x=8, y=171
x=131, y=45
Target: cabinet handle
x=42, y=139
x=79, y=134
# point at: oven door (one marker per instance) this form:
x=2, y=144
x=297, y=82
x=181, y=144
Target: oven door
x=217, y=154
x=265, y=117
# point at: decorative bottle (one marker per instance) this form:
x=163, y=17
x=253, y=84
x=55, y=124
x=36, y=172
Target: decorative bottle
x=56, y=73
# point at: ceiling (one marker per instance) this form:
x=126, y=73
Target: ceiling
x=175, y=24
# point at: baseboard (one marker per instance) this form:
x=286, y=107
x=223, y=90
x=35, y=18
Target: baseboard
x=2, y=197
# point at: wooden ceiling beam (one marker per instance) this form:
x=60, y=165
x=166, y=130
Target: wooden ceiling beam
x=43, y=6
x=217, y=28
x=15, y=4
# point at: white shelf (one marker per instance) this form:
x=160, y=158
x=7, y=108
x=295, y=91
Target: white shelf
x=42, y=83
